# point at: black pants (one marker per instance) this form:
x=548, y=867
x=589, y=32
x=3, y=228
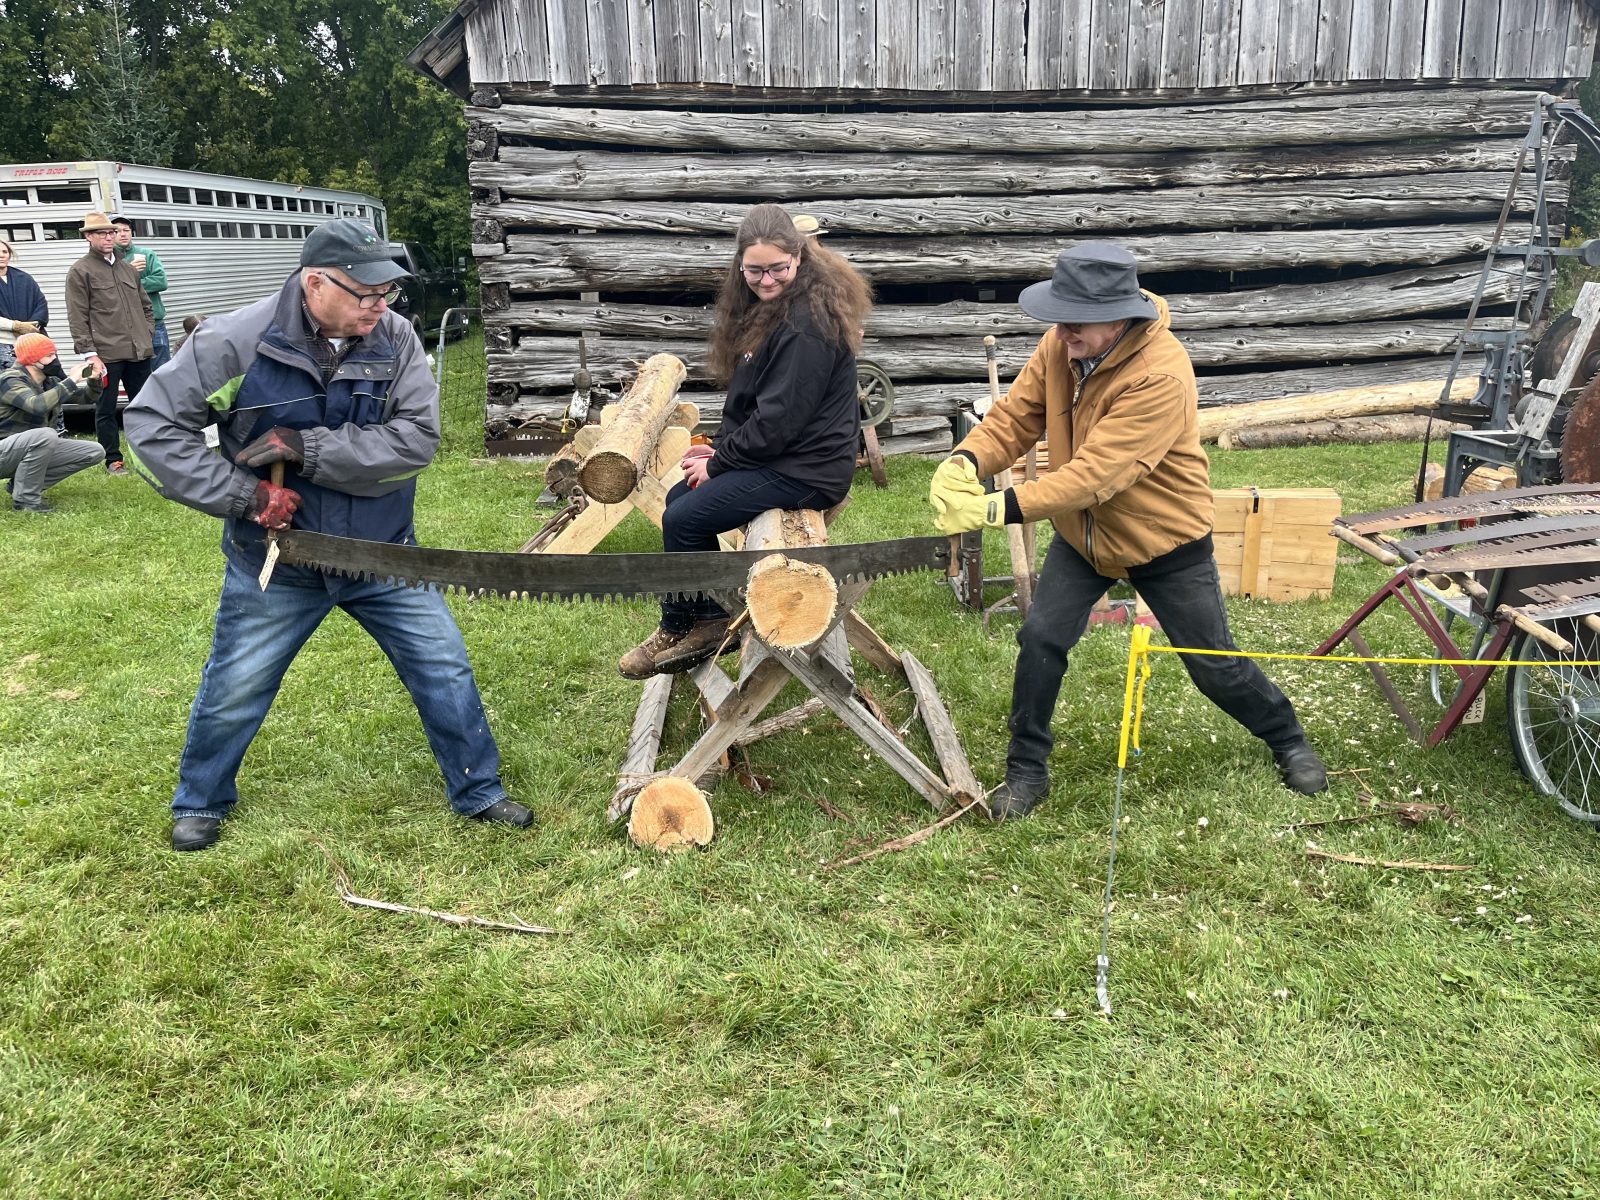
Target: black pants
x=1188, y=603
x=127, y=374
x=694, y=517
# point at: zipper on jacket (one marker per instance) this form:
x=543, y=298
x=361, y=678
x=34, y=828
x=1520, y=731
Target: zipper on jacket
x=1088, y=537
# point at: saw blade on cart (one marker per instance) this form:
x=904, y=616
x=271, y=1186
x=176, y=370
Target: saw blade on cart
x=1557, y=498
x=594, y=576
x=1489, y=531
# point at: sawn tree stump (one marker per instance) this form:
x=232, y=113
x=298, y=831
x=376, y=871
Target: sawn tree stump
x=628, y=441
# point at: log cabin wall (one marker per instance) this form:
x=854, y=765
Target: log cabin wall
x=1312, y=187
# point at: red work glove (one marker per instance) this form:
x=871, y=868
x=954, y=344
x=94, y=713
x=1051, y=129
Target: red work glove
x=272, y=506
x=276, y=445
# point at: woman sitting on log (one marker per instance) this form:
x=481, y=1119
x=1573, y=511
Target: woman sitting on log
x=788, y=325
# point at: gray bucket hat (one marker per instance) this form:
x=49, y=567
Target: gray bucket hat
x=1093, y=281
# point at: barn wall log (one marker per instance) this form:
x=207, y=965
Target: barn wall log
x=548, y=362
x=531, y=172
x=577, y=264
x=1383, y=200
x=1309, y=119
x=1392, y=294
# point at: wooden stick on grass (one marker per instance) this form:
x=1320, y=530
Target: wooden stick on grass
x=1395, y=866
x=342, y=886
x=905, y=843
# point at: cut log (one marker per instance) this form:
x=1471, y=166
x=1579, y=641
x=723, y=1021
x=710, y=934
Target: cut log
x=671, y=814
x=561, y=472
x=792, y=603
x=1347, y=431
x=628, y=439
x=1349, y=402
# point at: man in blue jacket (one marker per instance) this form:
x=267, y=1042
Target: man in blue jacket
x=325, y=379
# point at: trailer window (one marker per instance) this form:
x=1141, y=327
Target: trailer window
x=164, y=229
x=145, y=228
x=209, y=229
x=131, y=191
x=13, y=196
x=225, y=199
x=62, y=193
x=61, y=231
x=18, y=233
x=181, y=195
x=186, y=228
x=156, y=192
x=203, y=196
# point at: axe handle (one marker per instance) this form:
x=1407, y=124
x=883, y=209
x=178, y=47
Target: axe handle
x=1016, y=538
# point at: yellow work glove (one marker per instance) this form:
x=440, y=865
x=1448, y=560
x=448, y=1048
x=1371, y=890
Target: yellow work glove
x=961, y=511
x=956, y=476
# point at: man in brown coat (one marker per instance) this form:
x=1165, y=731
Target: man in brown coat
x=112, y=322
x=1129, y=493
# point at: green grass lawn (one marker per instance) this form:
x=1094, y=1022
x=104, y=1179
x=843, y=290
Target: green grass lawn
x=740, y=1022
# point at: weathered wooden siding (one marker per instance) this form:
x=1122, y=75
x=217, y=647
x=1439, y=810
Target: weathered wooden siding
x=1303, y=242
x=1007, y=46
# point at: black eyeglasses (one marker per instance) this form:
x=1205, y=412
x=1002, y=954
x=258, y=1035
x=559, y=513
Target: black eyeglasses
x=364, y=299
x=778, y=271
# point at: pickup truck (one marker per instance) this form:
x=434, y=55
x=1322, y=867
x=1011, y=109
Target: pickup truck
x=430, y=291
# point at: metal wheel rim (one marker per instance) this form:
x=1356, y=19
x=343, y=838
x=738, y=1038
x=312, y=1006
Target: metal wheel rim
x=1555, y=722
x=876, y=392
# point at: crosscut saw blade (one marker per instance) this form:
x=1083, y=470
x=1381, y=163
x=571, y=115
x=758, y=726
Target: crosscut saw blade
x=1569, y=598
x=594, y=576
x=1539, y=550
x=1490, y=531
x=1557, y=498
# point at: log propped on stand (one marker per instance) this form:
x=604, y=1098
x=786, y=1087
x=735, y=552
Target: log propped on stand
x=792, y=603
x=613, y=468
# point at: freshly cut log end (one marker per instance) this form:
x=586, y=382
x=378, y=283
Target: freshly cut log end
x=609, y=476
x=791, y=602
x=671, y=814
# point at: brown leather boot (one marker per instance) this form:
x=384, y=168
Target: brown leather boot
x=668, y=653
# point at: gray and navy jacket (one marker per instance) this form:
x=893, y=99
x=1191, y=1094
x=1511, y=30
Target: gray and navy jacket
x=368, y=432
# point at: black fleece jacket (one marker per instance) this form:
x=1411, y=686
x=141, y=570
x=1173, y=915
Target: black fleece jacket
x=793, y=406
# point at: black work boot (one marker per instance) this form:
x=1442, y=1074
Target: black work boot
x=1015, y=798
x=195, y=833
x=667, y=653
x=506, y=812
x=1302, y=768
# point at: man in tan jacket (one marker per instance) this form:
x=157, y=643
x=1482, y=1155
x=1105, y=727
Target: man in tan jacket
x=1129, y=493
x=112, y=324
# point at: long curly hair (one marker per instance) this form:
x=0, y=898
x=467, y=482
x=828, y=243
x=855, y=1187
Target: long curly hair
x=838, y=296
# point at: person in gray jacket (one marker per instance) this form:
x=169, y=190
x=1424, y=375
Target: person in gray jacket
x=323, y=378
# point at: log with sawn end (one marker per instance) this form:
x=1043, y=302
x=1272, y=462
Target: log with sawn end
x=671, y=814
x=612, y=470
x=791, y=603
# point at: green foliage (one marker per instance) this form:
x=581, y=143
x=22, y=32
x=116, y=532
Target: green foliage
x=304, y=91
x=742, y=1022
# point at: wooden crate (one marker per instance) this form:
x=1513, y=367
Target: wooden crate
x=1273, y=543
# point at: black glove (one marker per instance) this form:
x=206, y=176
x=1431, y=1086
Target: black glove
x=272, y=506
x=279, y=444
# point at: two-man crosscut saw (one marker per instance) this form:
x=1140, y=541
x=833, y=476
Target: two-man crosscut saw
x=594, y=576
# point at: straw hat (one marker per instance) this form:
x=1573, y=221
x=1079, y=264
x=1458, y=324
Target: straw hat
x=96, y=222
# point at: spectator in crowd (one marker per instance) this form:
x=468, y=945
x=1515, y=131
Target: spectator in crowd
x=23, y=308
x=324, y=379
x=190, y=324
x=153, y=279
x=111, y=321
x=33, y=455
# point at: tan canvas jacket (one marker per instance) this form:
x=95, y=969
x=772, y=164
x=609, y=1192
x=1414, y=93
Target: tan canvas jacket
x=1128, y=480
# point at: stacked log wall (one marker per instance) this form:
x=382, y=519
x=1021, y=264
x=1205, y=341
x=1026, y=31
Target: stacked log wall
x=1303, y=243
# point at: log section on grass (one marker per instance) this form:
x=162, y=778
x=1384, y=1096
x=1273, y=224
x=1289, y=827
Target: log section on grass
x=612, y=469
x=670, y=814
x=791, y=603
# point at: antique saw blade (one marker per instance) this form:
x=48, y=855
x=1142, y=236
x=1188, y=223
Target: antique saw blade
x=1540, y=550
x=1561, y=497
x=593, y=576
x=1489, y=531
x=1569, y=598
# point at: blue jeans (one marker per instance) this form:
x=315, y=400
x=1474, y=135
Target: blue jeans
x=695, y=516
x=1188, y=603
x=161, y=346
x=258, y=635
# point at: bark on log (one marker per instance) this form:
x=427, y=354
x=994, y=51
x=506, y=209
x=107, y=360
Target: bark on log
x=561, y=472
x=930, y=358
x=670, y=814
x=628, y=441
x=791, y=603
x=1349, y=402
x=1388, y=199
x=537, y=173
x=1346, y=431
x=656, y=263
x=1307, y=118
x=1405, y=294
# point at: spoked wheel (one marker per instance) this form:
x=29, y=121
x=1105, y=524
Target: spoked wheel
x=1554, y=710
x=876, y=392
